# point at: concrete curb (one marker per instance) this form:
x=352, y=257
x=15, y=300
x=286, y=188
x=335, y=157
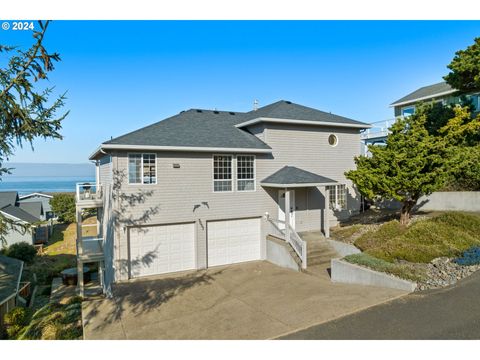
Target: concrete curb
x=345, y=272
x=342, y=248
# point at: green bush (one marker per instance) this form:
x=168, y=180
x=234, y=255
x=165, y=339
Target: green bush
x=15, y=320
x=22, y=251
x=63, y=205
x=55, y=322
x=448, y=234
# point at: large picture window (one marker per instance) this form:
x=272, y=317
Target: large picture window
x=222, y=173
x=408, y=110
x=338, y=197
x=142, y=169
x=246, y=173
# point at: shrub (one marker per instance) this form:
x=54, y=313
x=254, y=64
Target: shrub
x=22, y=251
x=469, y=257
x=55, y=322
x=15, y=320
x=448, y=234
x=63, y=205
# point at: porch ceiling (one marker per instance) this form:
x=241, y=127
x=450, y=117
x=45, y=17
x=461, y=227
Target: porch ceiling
x=291, y=177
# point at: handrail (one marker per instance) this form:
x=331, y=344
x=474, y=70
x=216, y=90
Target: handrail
x=298, y=244
x=290, y=236
x=89, y=191
x=378, y=129
x=85, y=250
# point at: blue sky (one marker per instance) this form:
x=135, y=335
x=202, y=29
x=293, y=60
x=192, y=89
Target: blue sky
x=121, y=76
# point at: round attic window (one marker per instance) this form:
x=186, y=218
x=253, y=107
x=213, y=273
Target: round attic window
x=333, y=140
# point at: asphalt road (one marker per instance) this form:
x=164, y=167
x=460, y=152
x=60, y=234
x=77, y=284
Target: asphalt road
x=450, y=313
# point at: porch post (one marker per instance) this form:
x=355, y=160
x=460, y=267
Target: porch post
x=79, y=252
x=326, y=225
x=80, y=284
x=287, y=215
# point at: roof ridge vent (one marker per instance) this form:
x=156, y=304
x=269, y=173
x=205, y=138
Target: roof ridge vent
x=288, y=102
x=216, y=112
x=199, y=111
x=231, y=113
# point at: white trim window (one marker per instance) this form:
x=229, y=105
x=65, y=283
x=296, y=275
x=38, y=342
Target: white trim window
x=408, y=110
x=142, y=169
x=338, y=197
x=245, y=172
x=222, y=173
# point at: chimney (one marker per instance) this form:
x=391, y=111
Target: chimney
x=255, y=105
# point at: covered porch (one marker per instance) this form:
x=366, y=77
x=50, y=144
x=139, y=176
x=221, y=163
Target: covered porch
x=303, y=205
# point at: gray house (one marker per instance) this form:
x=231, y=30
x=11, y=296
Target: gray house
x=38, y=204
x=24, y=217
x=206, y=188
x=441, y=92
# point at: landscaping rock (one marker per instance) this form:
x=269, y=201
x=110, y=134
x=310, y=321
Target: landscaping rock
x=441, y=272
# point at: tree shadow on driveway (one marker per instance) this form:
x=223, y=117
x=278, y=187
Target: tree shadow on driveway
x=140, y=297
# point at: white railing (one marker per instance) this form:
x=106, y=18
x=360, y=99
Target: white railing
x=298, y=245
x=284, y=231
x=90, y=246
x=379, y=129
x=89, y=191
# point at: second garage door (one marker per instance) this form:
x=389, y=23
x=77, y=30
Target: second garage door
x=162, y=249
x=233, y=241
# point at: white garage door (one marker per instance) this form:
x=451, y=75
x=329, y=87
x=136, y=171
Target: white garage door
x=162, y=249
x=233, y=241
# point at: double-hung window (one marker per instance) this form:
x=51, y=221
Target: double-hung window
x=246, y=173
x=338, y=197
x=142, y=169
x=222, y=173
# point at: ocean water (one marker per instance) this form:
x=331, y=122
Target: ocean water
x=48, y=184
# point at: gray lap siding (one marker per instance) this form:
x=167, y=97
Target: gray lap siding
x=185, y=194
x=182, y=195
x=307, y=148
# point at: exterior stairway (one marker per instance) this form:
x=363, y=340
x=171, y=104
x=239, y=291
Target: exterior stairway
x=319, y=253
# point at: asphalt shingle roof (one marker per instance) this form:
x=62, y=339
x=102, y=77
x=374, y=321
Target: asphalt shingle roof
x=216, y=129
x=33, y=208
x=19, y=213
x=10, y=272
x=194, y=128
x=8, y=198
x=291, y=111
x=425, y=92
x=293, y=175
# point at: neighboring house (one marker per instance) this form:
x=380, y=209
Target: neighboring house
x=38, y=198
x=10, y=277
x=25, y=216
x=441, y=92
x=205, y=188
x=436, y=92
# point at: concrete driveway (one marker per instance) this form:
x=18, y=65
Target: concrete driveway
x=255, y=300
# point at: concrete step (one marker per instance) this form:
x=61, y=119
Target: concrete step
x=319, y=252
x=322, y=261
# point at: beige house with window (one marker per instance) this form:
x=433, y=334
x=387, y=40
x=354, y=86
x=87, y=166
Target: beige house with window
x=206, y=188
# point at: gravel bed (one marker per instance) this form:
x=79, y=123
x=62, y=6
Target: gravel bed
x=443, y=272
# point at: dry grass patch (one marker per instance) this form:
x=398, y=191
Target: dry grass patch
x=448, y=234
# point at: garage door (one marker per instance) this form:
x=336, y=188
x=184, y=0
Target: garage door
x=233, y=241
x=162, y=249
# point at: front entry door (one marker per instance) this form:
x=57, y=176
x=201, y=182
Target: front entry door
x=281, y=207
